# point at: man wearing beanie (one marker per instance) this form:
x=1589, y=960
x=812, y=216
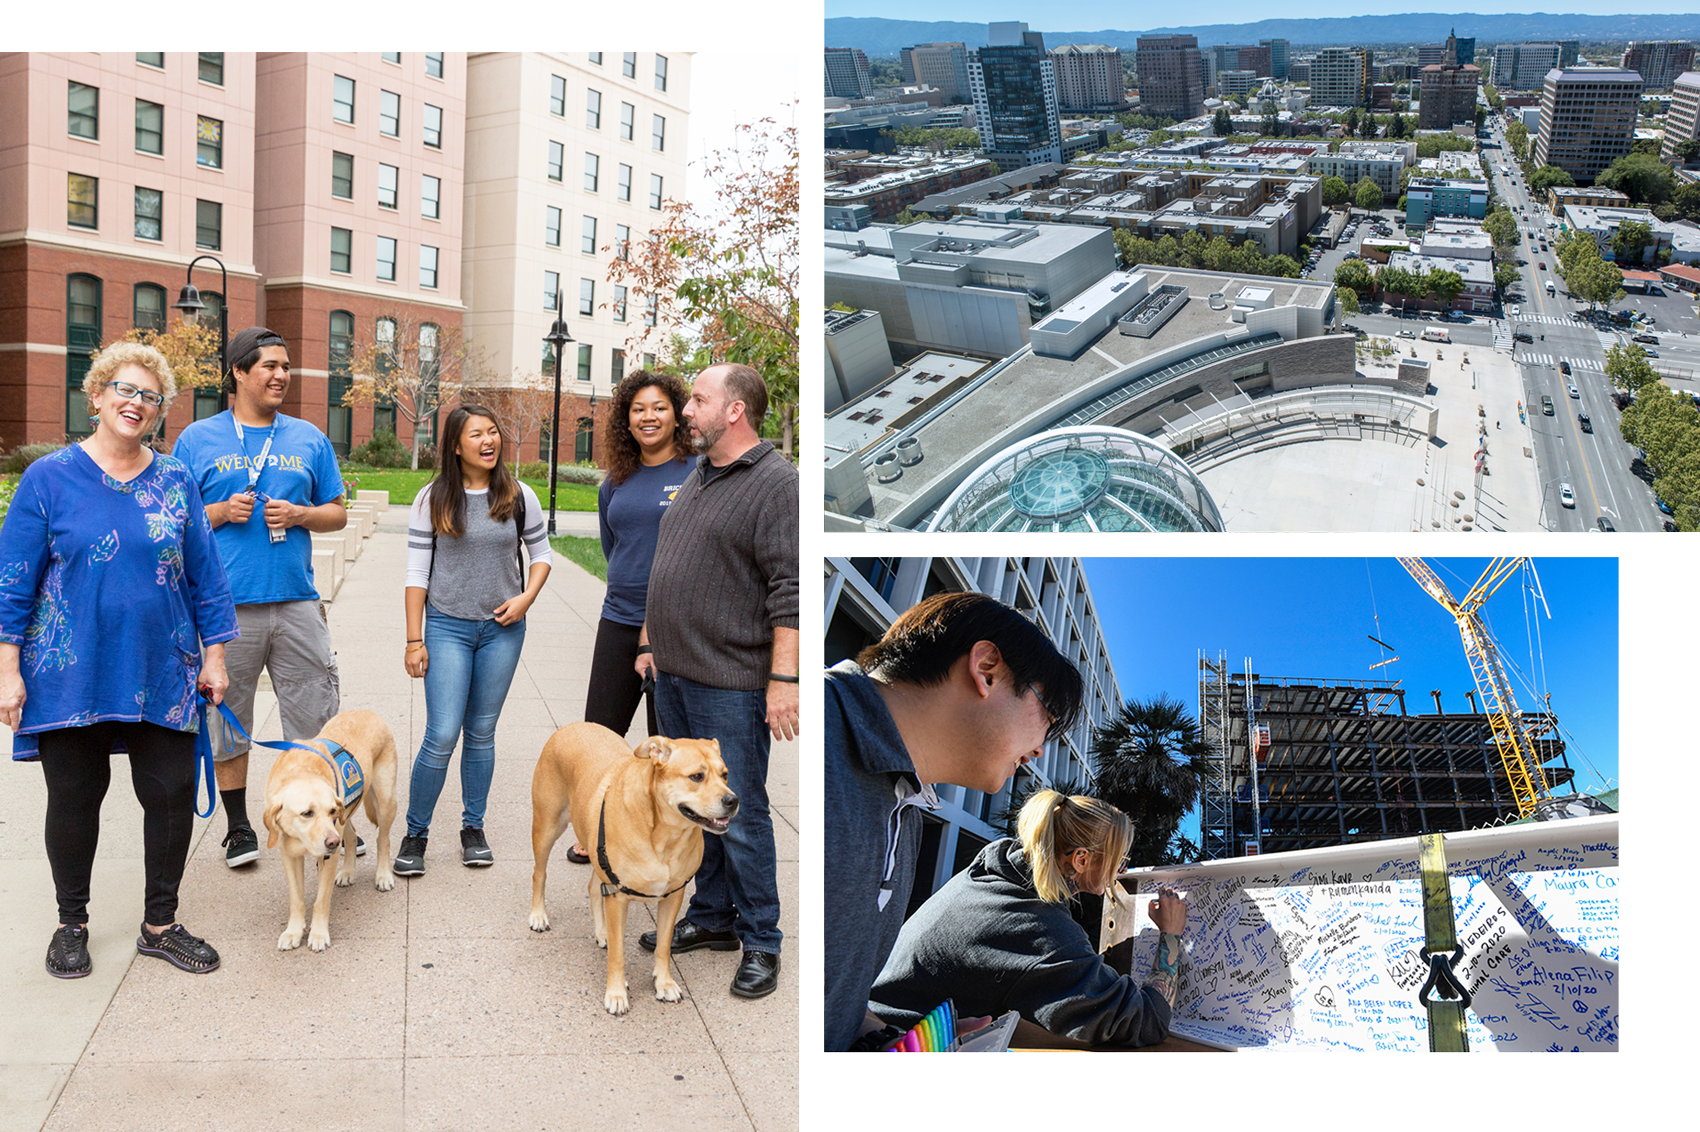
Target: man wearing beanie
x=268, y=480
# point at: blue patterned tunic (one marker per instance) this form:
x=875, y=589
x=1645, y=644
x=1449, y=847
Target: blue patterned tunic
x=109, y=589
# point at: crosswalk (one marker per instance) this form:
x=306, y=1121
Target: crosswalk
x=1529, y=358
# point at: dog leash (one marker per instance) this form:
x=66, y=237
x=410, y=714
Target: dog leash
x=602, y=860
x=350, y=780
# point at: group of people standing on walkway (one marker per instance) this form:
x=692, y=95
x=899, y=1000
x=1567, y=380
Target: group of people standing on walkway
x=133, y=584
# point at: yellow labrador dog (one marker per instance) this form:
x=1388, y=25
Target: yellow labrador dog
x=310, y=813
x=640, y=814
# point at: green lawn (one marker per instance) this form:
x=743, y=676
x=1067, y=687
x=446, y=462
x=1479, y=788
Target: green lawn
x=587, y=552
x=403, y=486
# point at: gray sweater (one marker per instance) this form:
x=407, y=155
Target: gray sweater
x=987, y=941
x=725, y=572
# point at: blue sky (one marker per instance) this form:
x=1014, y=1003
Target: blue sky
x=1312, y=617
x=1074, y=15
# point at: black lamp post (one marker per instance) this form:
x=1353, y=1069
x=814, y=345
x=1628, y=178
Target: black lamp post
x=189, y=302
x=558, y=338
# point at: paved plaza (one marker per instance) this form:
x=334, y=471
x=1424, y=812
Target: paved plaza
x=435, y=1007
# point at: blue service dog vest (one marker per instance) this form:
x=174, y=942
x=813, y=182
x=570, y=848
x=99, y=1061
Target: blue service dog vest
x=350, y=781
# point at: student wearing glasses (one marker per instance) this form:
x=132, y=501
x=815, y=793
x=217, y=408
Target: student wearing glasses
x=269, y=480
x=110, y=588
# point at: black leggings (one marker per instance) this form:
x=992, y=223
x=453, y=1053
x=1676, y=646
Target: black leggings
x=77, y=763
x=615, y=687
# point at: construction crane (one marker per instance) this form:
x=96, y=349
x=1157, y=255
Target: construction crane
x=1516, y=749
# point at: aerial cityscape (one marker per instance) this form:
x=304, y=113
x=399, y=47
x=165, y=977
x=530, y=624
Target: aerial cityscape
x=1204, y=279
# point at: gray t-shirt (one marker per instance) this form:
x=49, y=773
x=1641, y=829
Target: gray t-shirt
x=473, y=574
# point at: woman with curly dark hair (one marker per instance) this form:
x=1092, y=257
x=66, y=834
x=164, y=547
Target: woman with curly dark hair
x=647, y=449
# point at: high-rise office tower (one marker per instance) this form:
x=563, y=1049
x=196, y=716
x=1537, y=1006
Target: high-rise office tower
x=1524, y=66
x=1015, y=98
x=1171, y=75
x=1279, y=51
x=1587, y=118
x=1338, y=77
x=1683, y=123
x=847, y=73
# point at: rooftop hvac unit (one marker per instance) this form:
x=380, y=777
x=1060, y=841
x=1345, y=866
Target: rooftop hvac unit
x=909, y=452
x=886, y=469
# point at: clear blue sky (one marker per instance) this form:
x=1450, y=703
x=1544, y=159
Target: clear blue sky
x=1076, y=15
x=1312, y=617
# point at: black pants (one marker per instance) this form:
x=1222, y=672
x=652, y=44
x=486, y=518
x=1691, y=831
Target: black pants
x=77, y=763
x=615, y=688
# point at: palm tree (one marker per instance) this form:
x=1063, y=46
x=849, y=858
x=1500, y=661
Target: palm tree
x=1150, y=763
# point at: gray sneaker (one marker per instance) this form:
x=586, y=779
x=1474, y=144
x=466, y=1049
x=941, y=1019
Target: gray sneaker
x=474, y=851
x=410, y=862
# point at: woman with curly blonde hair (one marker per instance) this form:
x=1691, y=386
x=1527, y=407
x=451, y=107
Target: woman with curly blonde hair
x=111, y=587
x=999, y=937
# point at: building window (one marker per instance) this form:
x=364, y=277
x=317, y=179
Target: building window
x=389, y=179
x=587, y=236
x=209, y=142
x=628, y=119
x=619, y=304
x=151, y=58
x=557, y=158
x=593, y=109
x=661, y=72
x=617, y=367
x=82, y=199
x=150, y=213
x=390, y=57
x=628, y=64
x=551, y=289
x=428, y=371
x=434, y=64
x=584, y=362
x=433, y=126
x=658, y=133
x=148, y=307
x=584, y=441
x=150, y=127
x=342, y=99
x=209, y=225
x=552, y=226
x=623, y=241
x=655, y=191
x=430, y=197
x=557, y=96
x=339, y=418
x=587, y=297
x=650, y=306
x=389, y=113
x=592, y=171
x=386, y=259
x=427, y=266
x=82, y=342
x=342, y=175
x=342, y=251
x=212, y=67
x=594, y=56
x=84, y=119
x=649, y=361
x=624, y=186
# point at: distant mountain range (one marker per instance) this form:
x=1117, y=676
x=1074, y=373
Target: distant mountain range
x=882, y=37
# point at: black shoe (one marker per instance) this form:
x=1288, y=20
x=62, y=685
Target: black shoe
x=688, y=937
x=359, y=846
x=68, y=954
x=758, y=975
x=578, y=858
x=474, y=850
x=176, y=946
x=410, y=861
x=241, y=845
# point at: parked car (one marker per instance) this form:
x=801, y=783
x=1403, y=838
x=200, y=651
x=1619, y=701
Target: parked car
x=1407, y=333
x=1663, y=506
x=1566, y=497
x=1586, y=423
x=1513, y=311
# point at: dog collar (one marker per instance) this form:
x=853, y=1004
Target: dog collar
x=609, y=889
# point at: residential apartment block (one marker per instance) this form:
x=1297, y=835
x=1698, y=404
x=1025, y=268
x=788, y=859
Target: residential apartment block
x=1171, y=75
x=1659, y=62
x=1428, y=197
x=942, y=66
x=1587, y=118
x=1089, y=76
x=887, y=185
x=847, y=73
x=1015, y=98
x=1340, y=76
x=1682, y=124
x=1380, y=161
x=1523, y=66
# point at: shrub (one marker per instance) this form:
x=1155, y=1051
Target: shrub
x=383, y=451
x=579, y=473
x=15, y=461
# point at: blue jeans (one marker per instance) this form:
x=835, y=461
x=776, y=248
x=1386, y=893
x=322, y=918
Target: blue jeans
x=737, y=885
x=469, y=666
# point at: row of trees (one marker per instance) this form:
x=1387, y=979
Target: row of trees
x=1357, y=279
x=1586, y=273
x=1666, y=427
x=1366, y=194
x=1194, y=251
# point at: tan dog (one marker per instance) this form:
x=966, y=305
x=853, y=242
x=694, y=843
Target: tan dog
x=640, y=814
x=304, y=816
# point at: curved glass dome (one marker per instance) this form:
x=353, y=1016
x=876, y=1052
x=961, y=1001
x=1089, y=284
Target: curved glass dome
x=1086, y=478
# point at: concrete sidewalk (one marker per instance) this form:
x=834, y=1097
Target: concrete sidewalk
x=435, y=1007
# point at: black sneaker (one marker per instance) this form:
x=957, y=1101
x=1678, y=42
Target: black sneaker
x=176, y=946
x=474, y=850
x=410, y=861
x=68, y=953
x=359, y=846
x=241, y=845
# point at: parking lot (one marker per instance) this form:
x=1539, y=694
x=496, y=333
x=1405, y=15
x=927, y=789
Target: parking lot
x=1331, y=258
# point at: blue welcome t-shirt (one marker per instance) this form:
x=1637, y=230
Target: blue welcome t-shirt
x=300, y=468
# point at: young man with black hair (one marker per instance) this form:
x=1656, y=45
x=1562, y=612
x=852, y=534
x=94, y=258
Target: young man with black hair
x=963, y=690
x=268, y=479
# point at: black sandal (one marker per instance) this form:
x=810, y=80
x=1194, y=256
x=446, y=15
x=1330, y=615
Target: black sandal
x=68, y=954
x=176, y=946
x=576, y=857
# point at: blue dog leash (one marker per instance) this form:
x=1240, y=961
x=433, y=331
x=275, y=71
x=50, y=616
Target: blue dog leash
x=351, y=781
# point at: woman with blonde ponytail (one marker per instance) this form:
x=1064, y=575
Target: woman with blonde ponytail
x=999, y=937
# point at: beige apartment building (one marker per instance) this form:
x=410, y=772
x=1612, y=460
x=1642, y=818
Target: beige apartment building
x=569, y=158
x=117, y=169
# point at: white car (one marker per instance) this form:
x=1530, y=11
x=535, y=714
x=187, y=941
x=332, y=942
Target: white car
x=1513, y=311
x=1574, y=392
x=1566, y=497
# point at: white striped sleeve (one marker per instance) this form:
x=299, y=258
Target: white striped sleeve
x=419, y=541
x=534, y=531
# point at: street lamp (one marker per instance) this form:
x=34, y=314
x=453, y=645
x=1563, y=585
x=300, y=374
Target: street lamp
x=189, y=302
x=558, y=338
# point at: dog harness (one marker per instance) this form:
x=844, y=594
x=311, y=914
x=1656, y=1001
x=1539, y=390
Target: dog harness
x=351, y=783
x=350, y=780
x=608, y=869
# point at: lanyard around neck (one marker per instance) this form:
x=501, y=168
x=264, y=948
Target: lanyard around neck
x=254, y=466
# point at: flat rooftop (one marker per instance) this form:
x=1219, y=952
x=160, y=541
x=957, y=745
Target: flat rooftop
x=870, y=418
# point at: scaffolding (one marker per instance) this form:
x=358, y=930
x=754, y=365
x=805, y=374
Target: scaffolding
x=1344, y=762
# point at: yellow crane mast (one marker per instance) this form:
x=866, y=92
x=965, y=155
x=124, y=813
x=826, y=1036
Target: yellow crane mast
x=1516, y=749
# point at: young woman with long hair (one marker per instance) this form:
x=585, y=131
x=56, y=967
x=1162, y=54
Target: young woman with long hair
x=469, y=530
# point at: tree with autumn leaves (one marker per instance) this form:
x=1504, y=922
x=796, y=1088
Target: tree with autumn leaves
x=731, y=269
